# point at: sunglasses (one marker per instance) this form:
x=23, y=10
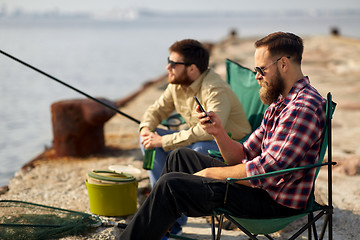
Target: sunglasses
x=261, y=70
x=173, y=64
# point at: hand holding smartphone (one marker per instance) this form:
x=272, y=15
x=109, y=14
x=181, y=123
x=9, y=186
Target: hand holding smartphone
x=201, y=107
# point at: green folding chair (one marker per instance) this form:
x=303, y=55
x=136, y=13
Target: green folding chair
x=254, y=227
x=242, y=81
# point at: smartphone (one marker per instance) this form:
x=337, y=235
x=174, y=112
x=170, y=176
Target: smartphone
x=201, y=107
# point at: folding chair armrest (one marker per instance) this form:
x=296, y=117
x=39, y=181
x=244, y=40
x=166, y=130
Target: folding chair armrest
x=279, y=172
x=214, y=153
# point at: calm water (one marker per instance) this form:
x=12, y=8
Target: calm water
x=103, y=59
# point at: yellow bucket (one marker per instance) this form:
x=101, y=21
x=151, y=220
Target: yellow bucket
x=111, y=193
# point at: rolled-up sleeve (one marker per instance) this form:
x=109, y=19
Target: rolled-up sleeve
x=158, y=111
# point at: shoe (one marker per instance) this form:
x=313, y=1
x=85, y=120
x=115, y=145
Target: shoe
x=176, y=229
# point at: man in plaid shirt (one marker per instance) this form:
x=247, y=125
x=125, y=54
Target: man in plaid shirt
x=289, y=136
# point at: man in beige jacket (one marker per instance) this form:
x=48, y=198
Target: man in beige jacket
x=189, y=75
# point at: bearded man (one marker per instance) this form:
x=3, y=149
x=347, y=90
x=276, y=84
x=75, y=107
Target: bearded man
x=189, y=75
x=289, y=136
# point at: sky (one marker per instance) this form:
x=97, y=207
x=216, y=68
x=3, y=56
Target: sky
x=171, y=5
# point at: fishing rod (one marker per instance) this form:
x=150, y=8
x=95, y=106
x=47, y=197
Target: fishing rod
x=69, y=86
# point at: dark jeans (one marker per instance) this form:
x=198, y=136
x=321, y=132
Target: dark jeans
x=178, y=191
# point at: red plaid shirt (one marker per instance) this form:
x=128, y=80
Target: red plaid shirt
x=289, y=136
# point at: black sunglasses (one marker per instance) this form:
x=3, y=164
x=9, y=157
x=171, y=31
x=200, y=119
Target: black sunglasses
x=173, y=64
x=261, y=70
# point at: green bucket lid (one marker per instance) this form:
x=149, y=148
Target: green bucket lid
x=110, y=176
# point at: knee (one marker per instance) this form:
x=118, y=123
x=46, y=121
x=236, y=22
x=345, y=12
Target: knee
x=176, y=153
x=179, y=155
x=168, y=180
x=171, y=160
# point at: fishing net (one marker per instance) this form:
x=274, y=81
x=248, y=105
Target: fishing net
x=25, y=220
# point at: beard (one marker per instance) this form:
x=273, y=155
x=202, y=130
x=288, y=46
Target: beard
x=182, y=79
x=271, y=90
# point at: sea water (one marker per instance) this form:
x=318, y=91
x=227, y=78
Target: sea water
x=108, y=59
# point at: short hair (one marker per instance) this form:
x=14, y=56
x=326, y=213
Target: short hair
x=193, y=52
x=283, y=44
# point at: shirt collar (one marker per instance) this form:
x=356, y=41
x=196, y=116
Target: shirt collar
x=195, y=86
x=294, y=91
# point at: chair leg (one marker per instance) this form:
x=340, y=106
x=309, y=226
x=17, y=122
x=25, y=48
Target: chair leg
x=313, y=226
x=326, y=221
x=309, y=228
x=303, y=229
x=249, y=234
x=330, y=227
x=213, y=227
x=268, y=237
x=220, y=226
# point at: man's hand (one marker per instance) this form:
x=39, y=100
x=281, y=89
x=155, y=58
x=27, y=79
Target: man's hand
x=213, y=128
x=230, y=150
x=150, y=139
x=205, y=173
x=144, y=132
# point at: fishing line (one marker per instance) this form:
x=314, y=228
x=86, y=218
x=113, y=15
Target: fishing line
x=69, y=86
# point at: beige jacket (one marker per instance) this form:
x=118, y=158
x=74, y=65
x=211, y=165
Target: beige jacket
x=214, y=94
